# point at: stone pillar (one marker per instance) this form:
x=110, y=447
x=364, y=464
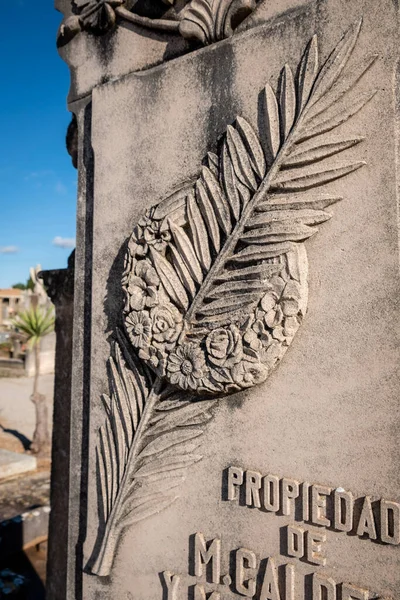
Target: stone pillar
x=234, y=380
x=60, y=289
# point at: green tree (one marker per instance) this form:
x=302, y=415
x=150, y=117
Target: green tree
x=35, y=323
x=29, y=285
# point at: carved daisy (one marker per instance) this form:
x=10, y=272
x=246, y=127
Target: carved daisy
x=138, y=328
x=186, y=366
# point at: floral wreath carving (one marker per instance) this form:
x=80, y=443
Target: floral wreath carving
x=215, y=285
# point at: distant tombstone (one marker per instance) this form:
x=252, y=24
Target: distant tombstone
x=39, y=296
x=234, y=392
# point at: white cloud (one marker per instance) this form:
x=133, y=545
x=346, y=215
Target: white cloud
x=9, y=249
x=60, y=188
x=61, y=242
x=38, y=174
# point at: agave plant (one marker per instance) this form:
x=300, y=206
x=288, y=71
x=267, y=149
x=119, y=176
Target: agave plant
x=36, y=323
x=215, y=283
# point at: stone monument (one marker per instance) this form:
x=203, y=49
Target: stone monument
x=234, y=391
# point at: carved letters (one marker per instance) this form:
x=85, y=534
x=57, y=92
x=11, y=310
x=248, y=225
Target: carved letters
x=215, y=285
x=252, y=576
x=320, y=505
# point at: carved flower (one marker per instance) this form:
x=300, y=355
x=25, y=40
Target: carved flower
x=257, y=337
x=156, y=359
x=138, y=328
x=137, y=246
x=273, y=353
x=186, y=366
x=224, y=346
x=153, y=233
x=248, y=373
x=142, y=286
x=290, y=326
x=97, y=16
x=282, y=300
x=167, y=325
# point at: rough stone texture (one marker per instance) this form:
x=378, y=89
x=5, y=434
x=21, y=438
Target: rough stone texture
x=12, y=463
x=327, y=414
x=60, y=288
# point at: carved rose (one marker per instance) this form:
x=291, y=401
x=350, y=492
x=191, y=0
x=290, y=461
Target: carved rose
x=186, y=366
x=142, y=286
x=138, y=328
x=97, y=16
x=224, y=346
x=167, y=325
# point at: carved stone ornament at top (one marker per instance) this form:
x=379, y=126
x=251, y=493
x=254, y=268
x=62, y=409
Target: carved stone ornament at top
x=202, y=21
x=215, y=284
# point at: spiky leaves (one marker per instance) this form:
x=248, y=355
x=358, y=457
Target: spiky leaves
x=148, y=440
x=35, y=323
x=238, y=186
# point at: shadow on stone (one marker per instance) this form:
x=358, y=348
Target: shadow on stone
x=26, y=442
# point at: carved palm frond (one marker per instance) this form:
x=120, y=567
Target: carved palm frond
x=149, y=439
x=241, y=212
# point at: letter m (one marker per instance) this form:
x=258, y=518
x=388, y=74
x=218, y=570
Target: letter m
x=204, y=555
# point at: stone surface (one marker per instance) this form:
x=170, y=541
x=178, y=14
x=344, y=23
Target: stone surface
x=291, y=485
x=12, y=463
x=60, y=288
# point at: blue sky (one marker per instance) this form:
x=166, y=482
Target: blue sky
x=37, y=180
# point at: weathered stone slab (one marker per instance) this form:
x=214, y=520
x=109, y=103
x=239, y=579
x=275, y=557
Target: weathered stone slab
x=241, y=418
x=13, y=463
